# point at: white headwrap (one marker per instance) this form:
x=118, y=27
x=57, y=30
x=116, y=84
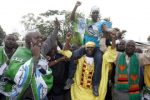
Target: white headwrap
x=95, y=8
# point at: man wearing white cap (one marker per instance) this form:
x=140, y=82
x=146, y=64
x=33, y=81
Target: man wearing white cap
x=92, y=29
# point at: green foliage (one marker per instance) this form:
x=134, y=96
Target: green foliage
x=76, y=39
x=53, y=12
x=2, y=35
x=32, y=22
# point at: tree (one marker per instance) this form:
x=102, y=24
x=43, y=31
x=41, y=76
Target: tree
x=2, y=35
x=32, y=22
x=45, y=27
x=148, y=39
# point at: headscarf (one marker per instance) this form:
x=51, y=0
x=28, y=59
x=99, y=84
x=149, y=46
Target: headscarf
x=90, y=44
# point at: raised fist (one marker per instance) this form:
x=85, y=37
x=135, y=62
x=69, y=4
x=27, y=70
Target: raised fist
x=68, y=36
x=57, y=24
x=78, y=3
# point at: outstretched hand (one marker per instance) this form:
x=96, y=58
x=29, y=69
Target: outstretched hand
x=120, y=34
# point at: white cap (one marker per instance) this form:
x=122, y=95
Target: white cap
x=95, y=8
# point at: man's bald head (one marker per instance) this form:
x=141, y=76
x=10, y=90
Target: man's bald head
x=10, y=41
x=130, y=47
x=30, y=36
x=130, y=42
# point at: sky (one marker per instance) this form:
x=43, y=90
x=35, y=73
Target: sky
x=131, y=15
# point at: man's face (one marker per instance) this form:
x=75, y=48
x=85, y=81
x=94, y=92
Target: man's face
x=10, y=41
x=121, y=46
x=37, y=39
x=90, y=51
x=130, y=48
x=95, y=15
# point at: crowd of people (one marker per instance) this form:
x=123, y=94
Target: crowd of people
x=100, y=69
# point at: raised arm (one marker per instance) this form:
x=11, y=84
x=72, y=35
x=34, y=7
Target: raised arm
x=113, y=38
x=75, y=54
x=51, y=39
x=72, y=18
x=67, y=45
